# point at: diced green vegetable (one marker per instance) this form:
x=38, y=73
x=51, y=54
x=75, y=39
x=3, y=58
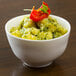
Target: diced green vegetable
x=45, y=29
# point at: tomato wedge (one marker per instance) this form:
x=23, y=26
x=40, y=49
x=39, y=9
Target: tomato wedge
x=41, y=13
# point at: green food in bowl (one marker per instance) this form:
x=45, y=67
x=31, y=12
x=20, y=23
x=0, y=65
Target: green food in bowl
x=45, y=29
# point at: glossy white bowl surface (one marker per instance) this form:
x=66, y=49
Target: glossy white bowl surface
x=37, y=53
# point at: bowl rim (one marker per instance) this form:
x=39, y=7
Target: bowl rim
x=68, y=32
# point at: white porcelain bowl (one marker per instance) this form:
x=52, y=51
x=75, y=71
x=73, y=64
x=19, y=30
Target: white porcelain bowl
x=37, y=53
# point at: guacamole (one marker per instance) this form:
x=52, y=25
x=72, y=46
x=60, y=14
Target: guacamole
x=46, y=29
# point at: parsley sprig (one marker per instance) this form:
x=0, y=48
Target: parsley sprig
x=44, y=8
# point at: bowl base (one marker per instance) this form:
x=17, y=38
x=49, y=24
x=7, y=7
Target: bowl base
x=25, y=64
